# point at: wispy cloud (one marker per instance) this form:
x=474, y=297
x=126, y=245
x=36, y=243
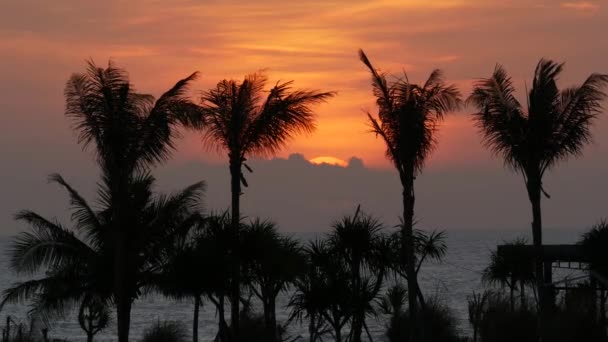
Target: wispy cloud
x=312, y=42
x=584, y=6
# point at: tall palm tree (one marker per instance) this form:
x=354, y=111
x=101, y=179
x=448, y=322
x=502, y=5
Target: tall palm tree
x=555, y=126
x=408, y=117
x=78, y=261
x=240, y=119
x=130, y=132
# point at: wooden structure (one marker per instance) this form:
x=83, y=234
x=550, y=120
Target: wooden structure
x=558, y=256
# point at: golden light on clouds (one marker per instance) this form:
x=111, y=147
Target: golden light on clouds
x=313, y=42
x=329, y=161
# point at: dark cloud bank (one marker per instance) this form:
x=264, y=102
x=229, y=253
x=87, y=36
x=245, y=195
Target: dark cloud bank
x=304, y=197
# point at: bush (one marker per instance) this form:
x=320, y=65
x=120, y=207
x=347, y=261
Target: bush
x=167, y=331
x=575, y=319
x=501, y=324
x=437, y=322
x=572, y=320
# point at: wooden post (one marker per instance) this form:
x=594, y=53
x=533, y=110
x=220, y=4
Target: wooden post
x=548, y=285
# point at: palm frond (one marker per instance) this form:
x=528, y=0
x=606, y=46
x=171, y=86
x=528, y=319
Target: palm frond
x=382, y=91
x=85, y=217
x=284, y=114
x=578, y=109
x=48, y=244
x=500, y=118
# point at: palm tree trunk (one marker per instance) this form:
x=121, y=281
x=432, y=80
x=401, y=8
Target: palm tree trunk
x=534, y=193
x=271, y=321
x=420, y=294
x=603, y=313
x=312, y=330
x=123, y=318
x=407, y=248
x=475, y=328
x=338, y=333
x=270, y=325
x=235, y=294
x=522, y=294
x=222, y=326
x=512, y=296
x=359, y=310
x=123, y=301
x=197, y=303
x=90, y=336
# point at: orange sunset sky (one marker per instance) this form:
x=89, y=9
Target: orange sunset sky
x=313, y=42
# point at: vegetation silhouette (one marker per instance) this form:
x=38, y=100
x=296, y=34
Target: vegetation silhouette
x=556, y=126
x=135, y=241
x=240, y=119
x=408, y=116
x=93, y=317
x=511, y=269
x=130, y=132
x=271, y=265
x=79, y=261
x=347, y=272
x=594, y=244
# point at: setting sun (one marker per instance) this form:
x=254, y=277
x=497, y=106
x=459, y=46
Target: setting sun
x=328, y=160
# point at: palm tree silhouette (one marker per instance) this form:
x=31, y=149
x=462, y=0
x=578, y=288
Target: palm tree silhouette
x=93, y=317
x=273, y=263
x=322, y=293
x=408, y=116
x=556, y=126
x=594, y=243
x=218, y=259
x=427, y=246
x=131, y=132
x=237, y=117
x=511, y=269
x=79, y=261
x=362, y=248
x=184, y=272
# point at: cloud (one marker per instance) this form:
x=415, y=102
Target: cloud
x=584, y=6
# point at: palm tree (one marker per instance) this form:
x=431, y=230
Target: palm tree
x=218, y=260
x=307, y=302
x=408, y=116
x=78, y=261
x=323, y=293
x=511, y=269
x=93, y=317
x=237, y=117
x=594, y=244
x=556, y=126
x=183, y=275
x=361, y=247
x=131, y=132
x=477, y=305
x=273, y=263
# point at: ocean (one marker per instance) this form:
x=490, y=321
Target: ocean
x=451, y=281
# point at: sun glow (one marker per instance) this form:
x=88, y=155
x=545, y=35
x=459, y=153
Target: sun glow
x=329, y=161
